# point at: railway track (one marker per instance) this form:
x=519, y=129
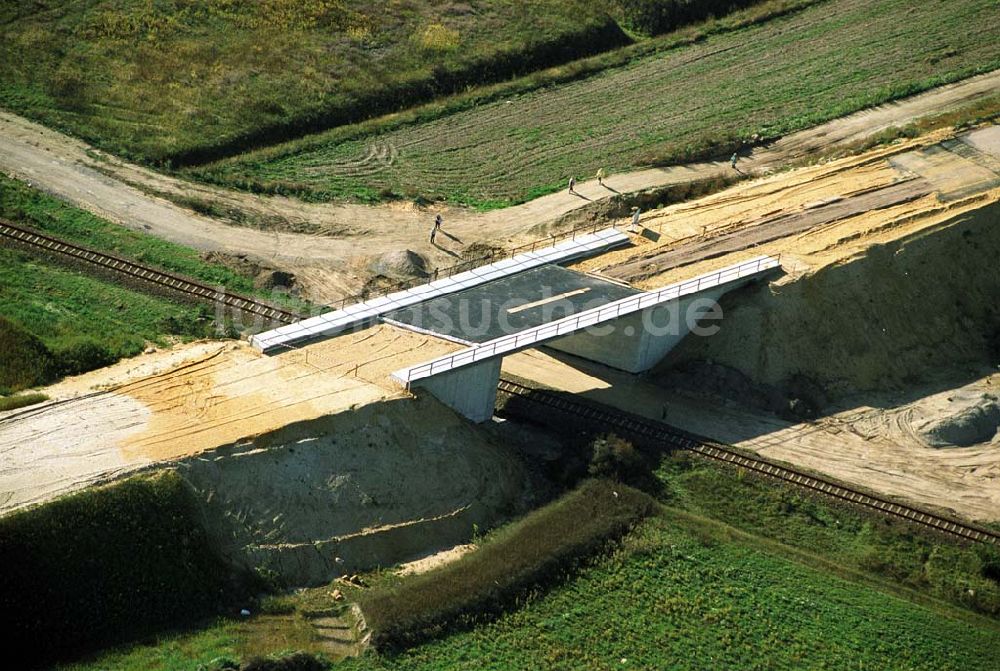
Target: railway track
x=131, y=269
x=678, y=439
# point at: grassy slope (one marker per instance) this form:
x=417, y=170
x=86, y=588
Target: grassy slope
x=677, y=598
x=807, y=586
x=105, y=565
x=58, y=305
x=153, y=79
x=67, y=310
x=61, y=306
x=874, y=545
x=25, y=361
x=786, y=74
x=540, y=549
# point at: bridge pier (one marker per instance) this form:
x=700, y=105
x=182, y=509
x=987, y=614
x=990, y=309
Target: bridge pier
x=631, y=334
x=470, y=391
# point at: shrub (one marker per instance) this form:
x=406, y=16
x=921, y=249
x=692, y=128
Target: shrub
x=616, y=458
x=25, y=361
x=654, y=17
x=82, y=355
x=989, y=557
x=298, y=661
x=21, y=401
x=541, y=549
x=437, y=37
x=104, y=566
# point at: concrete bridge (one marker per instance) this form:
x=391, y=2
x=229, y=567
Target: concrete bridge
x=607, y=322
x=631, y=334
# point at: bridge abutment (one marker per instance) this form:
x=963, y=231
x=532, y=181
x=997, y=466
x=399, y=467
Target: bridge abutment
x=637, y=342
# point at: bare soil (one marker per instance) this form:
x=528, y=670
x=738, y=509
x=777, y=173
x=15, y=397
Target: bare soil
x=140, y=412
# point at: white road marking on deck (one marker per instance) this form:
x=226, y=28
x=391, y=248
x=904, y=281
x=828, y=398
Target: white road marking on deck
x=528, y=306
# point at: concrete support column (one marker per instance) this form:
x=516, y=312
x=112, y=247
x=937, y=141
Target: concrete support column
x=637, y=342
x=471, y=391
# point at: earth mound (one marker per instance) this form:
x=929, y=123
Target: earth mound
x=975, y=420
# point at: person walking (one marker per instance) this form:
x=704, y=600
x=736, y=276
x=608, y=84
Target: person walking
x=635, y=220
x=572, y=185
x=600, y=176
x=732, y=161
x=435, y=228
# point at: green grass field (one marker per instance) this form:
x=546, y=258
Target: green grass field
x=806, y=67
x=965, y=576
x=165, y=79
x=682, y=599
x=82, y=322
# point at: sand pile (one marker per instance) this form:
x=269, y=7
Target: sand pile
x=972, y=419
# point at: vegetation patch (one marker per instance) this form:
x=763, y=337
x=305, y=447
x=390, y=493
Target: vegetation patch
x=537, y=551
x=872, y=544
x=21, y=401
x=654, y=17
x=694, y=99
x=56, y=321
x=984, y=111
x=683, y=588
x=185, y=81
x=25, y=361
x=107, y=565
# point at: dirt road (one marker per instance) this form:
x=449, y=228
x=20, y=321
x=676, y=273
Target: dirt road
x=332, y=257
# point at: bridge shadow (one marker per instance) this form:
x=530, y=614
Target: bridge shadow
x=676, y=399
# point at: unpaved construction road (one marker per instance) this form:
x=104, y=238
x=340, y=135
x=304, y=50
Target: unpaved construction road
x=331, y=259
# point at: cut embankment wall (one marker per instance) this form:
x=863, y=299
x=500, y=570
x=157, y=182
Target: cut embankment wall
x=900, y=314
x=382, y=484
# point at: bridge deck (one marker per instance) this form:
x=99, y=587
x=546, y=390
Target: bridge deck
x=366, y=312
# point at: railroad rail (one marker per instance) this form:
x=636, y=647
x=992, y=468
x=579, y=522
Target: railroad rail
x=177, y=283
x=679, y=439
